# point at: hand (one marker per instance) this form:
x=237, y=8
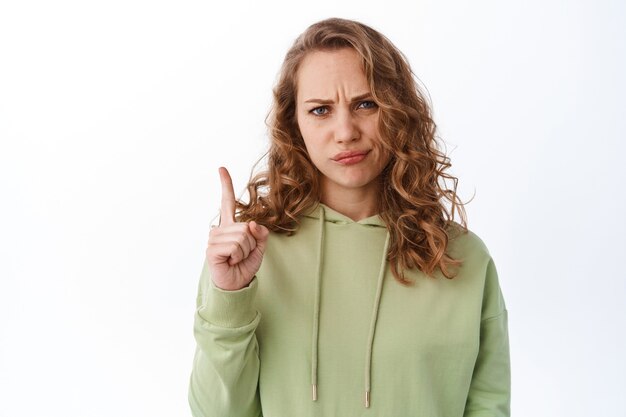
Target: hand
x=235, y=250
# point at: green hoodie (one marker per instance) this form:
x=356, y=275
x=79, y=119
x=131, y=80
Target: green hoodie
x=324, y=329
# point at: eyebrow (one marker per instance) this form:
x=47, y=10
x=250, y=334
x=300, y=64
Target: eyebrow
x=325, y=101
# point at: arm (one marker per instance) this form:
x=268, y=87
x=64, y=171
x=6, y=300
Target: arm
x=225, y=374
x=490, y=389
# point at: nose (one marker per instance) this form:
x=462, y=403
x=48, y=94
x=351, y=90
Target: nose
x=346, y=127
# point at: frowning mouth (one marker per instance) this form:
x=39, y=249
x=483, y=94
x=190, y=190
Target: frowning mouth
x=350, y=157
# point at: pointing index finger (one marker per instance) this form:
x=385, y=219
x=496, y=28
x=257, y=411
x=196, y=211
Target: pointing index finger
x=227, y=210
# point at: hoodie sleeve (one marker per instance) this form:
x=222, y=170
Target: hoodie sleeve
x=490, y=389
x=225, y=373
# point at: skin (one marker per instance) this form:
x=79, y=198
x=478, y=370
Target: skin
x=235, y=249
x=336, y=113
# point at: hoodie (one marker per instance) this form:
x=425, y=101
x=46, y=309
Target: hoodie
x=324, y=329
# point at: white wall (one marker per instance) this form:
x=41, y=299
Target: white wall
x=114, y=117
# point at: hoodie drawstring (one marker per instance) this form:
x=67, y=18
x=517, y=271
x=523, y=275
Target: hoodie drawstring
x=316, y=308
x=370, y=341
x=316, y=314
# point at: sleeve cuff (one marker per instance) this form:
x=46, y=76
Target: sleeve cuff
x=229, y=308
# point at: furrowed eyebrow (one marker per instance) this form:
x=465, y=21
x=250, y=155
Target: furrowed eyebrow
x=323, y=101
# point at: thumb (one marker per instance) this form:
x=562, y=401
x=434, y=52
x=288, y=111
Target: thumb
x=260, y=233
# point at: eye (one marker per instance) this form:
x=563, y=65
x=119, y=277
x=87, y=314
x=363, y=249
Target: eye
x=367, y=104
x=319, y=111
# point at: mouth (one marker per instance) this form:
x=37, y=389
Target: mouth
x=350, y=157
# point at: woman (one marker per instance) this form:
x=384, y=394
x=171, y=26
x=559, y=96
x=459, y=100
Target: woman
x=345, y=287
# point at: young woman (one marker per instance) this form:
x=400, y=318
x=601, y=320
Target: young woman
x=344, y=287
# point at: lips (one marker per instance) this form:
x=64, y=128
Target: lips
x=349, y=154
x=350, y=157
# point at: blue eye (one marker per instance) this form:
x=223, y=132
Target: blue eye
x=319, y=111
x=367, y=104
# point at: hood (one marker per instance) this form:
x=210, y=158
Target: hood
x=333, y=216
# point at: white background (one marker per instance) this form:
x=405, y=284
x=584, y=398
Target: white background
x=114, y=117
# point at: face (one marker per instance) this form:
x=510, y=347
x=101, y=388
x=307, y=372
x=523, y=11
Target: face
x=338, y=120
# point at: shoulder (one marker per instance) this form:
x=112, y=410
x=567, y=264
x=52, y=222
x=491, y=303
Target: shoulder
x=477, y=266
x=464, y=243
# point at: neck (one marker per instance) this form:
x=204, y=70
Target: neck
x=356, y=204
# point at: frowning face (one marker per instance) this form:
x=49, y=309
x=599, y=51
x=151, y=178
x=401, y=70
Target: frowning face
x=338, y=120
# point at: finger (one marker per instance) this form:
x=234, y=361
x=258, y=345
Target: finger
x=227, y=210
x=237, y=254
x=251, y=238
x=261, y=234
x=245, y=241
x=224, y=252
x=233, y=228
x=231, y=231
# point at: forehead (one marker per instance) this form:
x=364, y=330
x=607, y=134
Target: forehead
x=324, y=74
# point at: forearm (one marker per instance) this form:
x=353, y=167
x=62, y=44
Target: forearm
x=225, y=374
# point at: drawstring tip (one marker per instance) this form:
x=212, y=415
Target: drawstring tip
x=367, y=399
x=314, y=386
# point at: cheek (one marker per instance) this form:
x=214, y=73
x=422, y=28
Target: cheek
x=314, y=154
x=312, y=137
x=304, y=127
x=382, y=160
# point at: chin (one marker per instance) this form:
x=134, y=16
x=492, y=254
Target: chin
x=355, y=183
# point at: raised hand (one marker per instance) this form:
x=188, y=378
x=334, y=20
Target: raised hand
x=235, y=249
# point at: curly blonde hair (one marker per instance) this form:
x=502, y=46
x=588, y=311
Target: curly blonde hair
x=413, y=182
